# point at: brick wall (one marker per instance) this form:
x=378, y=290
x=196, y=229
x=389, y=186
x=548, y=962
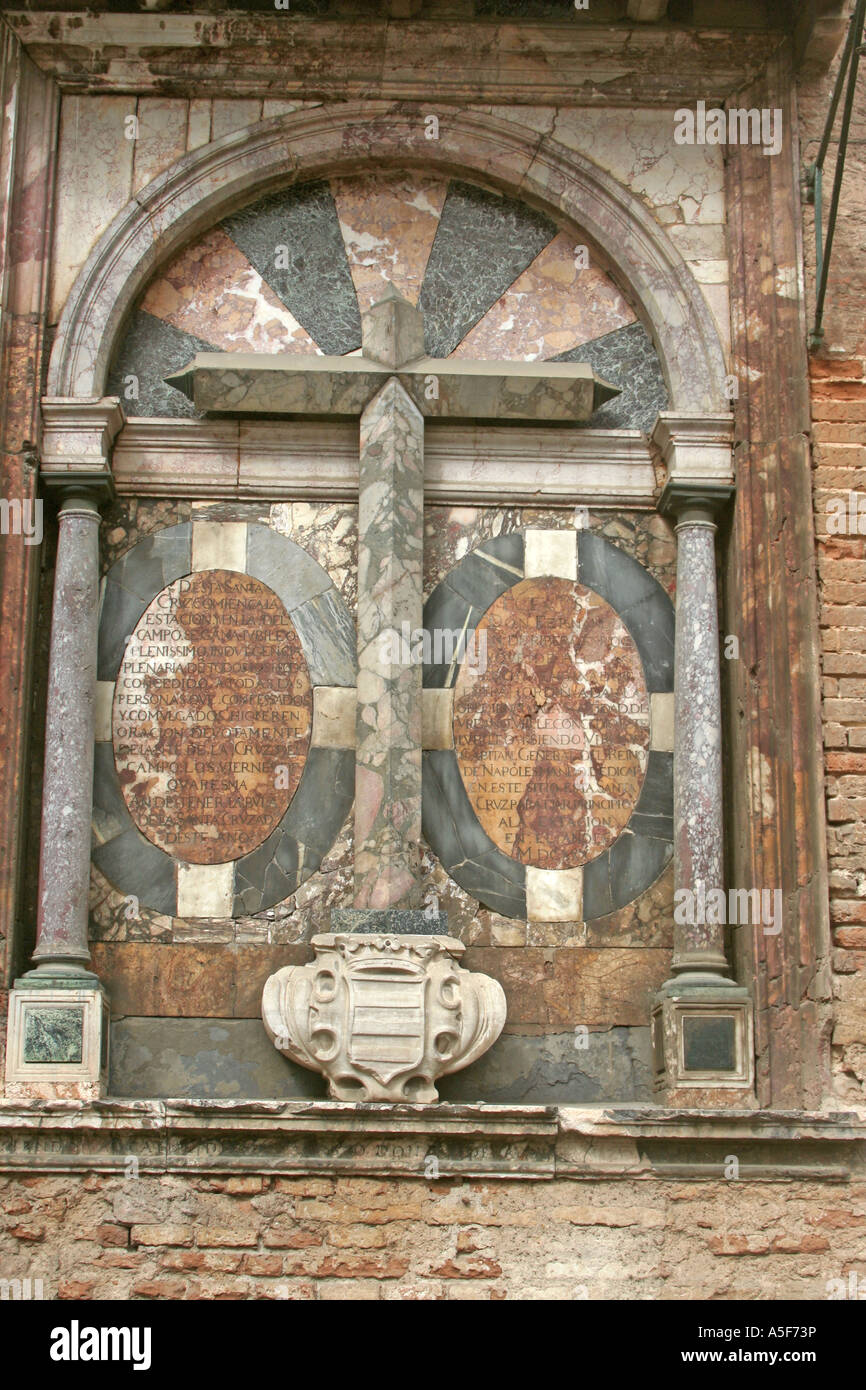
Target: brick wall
x=358, y=1238
x=838, y=372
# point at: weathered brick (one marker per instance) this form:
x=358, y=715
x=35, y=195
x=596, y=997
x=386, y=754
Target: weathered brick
x=357, y=1290
x=823, y=371
x=161, y=1235
x=268, y=1265
x=846, y=910
x=159, y=1288
x=122, y=1259
x=112, y=1235
x=305, y=1187
x=75, y=1289
x=221, y=1290
x=852, y=938
x=357, y=1267
x=358, y=1237
x=217, y=1261
x=291, y=1239
x=218, y=1236
x=480, y=1267
x=30, y=1233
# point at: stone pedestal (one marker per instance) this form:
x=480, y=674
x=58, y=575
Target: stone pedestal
x=57, y=1040
x=383, y=1016
x=57, y=1046
x=702, y=1038
x=701, y=1019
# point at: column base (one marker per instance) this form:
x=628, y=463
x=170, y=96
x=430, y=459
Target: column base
x=703, y=1047
x=57, y=1037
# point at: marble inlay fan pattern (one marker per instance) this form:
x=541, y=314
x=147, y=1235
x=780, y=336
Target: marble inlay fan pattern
x=293, y=271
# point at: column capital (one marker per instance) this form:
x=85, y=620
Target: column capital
x=77, y=438
x=697, y=453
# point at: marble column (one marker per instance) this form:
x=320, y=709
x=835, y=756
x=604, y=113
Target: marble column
x=58, y=1016
x=64, y=866
x=701, y=1018
x=390, y=611
x=698, y=824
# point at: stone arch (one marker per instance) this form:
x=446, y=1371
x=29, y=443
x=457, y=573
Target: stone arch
x=213, y=181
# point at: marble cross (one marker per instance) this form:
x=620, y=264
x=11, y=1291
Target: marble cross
x=392, y=386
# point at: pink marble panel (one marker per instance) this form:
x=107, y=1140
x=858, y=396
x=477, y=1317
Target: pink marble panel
x=388, y=227
x=554, y=306
x=211, y=290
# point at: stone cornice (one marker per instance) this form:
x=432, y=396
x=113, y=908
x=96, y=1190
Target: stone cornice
x=256, y=55
x=306, y=459
x=696, y=451
x=77, y=439
x=490, y=1141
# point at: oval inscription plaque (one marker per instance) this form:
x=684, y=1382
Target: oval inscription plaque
x=212, y=716
x=552, y=727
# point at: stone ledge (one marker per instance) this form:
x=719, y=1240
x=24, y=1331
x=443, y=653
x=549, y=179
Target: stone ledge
x=485, y=59
x=484, y=1141
x=266, y=458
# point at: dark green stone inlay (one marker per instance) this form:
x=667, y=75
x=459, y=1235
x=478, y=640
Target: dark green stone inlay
x=110, y=816
x=627, y=359
x=638, y=598
x=482, y=244
x=709, y=1043
x=285, y=567
x=447, y=611
x=622, y=873
x=483, y=575
x=597, y=898
x=654, y=813
x=151, y=350
x=635, y=863
x=53, y=1035
x=400, y=921
x=296, y=847
x=311, y=275
x=452, y=830
x=132, y=583
x=324, y=798
x=465, y=594
x=139, y=869
x=327, y=632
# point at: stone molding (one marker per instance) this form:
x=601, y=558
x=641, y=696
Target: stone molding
x=210, y=182
x=777, y=835
x=28, y=156
x=484, y=60
x=696, y=451
x=462, y=463
x=484, y=1141
x=77, y=440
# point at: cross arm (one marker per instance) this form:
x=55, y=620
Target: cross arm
x=442, y=388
